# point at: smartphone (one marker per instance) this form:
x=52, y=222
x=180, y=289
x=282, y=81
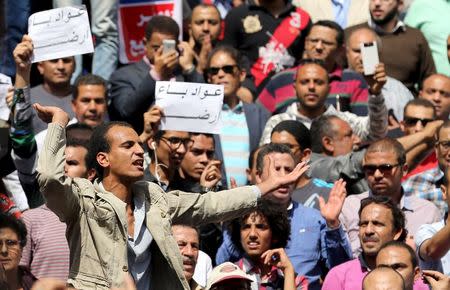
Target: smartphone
x=369, y=55
x=168, y=45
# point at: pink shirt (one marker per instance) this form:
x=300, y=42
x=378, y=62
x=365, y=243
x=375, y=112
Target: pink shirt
x=349, y=276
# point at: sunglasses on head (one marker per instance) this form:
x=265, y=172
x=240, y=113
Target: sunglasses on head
x=228, y=69
x=385, y=169
x=409, y=121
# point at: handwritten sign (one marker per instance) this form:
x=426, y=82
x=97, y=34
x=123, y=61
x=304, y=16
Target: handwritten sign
x=5, y=83
x=60, y=32
x=191, y=107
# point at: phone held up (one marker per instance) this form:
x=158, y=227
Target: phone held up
x=370, y=59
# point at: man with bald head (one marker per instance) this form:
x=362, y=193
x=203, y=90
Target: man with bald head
x=436, y=89
x=383, y=278
x=396, y=95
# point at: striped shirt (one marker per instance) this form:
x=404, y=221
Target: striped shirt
x=46, y=253
x=234, y=138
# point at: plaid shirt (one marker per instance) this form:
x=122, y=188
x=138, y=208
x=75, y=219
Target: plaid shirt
x=426, y=185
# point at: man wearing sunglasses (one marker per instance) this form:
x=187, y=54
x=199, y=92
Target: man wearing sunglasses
x=384, y=165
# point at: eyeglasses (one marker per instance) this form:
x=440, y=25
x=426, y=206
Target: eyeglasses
x=228, y=69
x=410, y=121
x=385, y=169
x=175, y=142
x=445, y=145
x=9, y=243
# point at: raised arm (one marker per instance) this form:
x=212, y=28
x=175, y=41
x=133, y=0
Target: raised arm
x=57, y=189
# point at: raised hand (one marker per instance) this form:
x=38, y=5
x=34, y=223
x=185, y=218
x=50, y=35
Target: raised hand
x=211, y=175
x=187, y=56
x=152, y=119
x=330, y=210
x=165, y=63
x=50, y=114
x=204, y=53
x=377, y=80
x=437, y=280
x=22, y=57
x=277, y=258
x=274, y=182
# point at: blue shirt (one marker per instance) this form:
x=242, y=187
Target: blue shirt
x=312, y=245
x=340, y=10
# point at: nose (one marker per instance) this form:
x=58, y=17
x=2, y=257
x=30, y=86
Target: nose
x=252, y=233
x=188, y=251
x=311, y=86
x=356, y=140
x=60, y=64
x=205, y=26
x=418, y=127
x=319, y=45
x=378, y=174
x=92, y=105
x=204, y=158
x=369, y=229
x=437, y=97
x=3, y=249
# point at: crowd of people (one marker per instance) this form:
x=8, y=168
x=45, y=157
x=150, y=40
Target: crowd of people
x=322, y=176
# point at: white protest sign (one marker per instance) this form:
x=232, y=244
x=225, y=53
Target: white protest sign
x=5, y=83
x=60, y=32
x=191, y=107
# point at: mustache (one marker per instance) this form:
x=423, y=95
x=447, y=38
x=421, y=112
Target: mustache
x=188, y=260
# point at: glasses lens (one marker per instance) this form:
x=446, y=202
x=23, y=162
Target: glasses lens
x=228, y=69
x=384, y=169
x=213, y=70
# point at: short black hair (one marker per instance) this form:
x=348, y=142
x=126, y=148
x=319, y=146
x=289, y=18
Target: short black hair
x=207, y=135
x=17, y=225
x=332, y=25
x=321, y=127
x=230, y=51
x=388, y=145
x=252, y=156
x=78, y=134
x=271, y=148
x=88, y=79
x=297, y=130
x=308, y=61
x=420, y=102
x=277, y=218
x=402, y=245
x=398, y=217
x=162, y=24
x=100, y=143
x=205, y=5
x=444, y=125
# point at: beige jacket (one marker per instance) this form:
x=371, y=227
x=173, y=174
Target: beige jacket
x=97, y=224
x=358, y=12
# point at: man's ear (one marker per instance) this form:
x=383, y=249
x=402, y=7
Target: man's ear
x=398, y=235
x=401, y=6
x=258, y=177
x=242, y=75
x=306, y=154
x=40, y=67
x=405, y=169
x=91, y=174
x=103, y=159
x=402, y=126
x=327, y=144
x=444, y=192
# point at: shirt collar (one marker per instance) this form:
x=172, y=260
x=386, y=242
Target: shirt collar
x=251, y=269
x=363, y=263
x=238, y=109
x=406, y=204
x=399, y=26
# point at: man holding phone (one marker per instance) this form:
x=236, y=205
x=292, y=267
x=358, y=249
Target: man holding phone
x=396, y=95
x=133, y=86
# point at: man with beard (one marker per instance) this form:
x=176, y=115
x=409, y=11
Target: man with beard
x=413, y=62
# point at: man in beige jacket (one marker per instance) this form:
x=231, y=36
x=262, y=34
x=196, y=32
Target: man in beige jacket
x=119, y=224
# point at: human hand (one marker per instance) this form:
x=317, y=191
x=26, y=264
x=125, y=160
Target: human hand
x=187, y=56
x=50, y=114
x=274, y=182
x=277, y=258
x=377, y=80
x=202, y=60
x=211, y=174
x=165, y=63
x=22, y=54
x=437, y=280
x=233, y=183
x=430, y=130
x=392, y=123
x=152, y=119
x=330, y=211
